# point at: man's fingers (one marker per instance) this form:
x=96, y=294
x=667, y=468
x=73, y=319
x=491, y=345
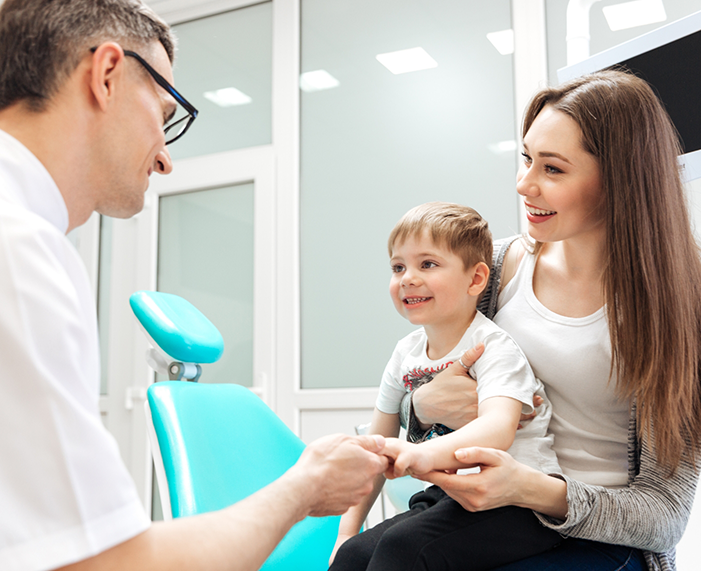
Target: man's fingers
x=371, y=442
x=469, y=357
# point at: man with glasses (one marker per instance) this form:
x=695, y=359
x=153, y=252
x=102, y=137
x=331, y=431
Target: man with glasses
x=87, y=108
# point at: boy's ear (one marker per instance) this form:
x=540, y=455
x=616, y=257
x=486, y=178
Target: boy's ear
x=480, y=278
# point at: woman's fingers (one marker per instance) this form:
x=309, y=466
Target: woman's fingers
x=468, y=358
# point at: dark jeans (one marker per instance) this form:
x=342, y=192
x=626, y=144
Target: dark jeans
x=582, y=555
x=437, y=534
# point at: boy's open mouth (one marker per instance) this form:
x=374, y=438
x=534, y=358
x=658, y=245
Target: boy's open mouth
x=414, y=300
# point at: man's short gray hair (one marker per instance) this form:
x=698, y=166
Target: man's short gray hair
x=43, y=41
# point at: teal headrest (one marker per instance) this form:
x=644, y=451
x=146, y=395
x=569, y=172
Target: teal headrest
x=178, y=327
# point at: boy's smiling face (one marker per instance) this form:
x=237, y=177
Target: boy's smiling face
x=429, y=284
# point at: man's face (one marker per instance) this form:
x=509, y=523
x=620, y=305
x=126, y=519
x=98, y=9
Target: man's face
x=137, y=142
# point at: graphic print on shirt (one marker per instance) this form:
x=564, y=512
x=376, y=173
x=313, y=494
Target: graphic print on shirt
x=415, y=378
x=419, y=376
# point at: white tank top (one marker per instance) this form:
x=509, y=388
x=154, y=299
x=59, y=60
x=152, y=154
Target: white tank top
x=572, y=356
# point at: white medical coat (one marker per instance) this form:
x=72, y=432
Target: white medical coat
x=65, y=494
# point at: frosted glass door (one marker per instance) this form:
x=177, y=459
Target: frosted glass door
x=205, y=254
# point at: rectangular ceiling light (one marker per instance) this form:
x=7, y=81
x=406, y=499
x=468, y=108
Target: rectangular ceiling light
x=503, y=41
x=317, y=80
x=404, y=61
x=228, y=97
x=632, y=14
x=503, y=147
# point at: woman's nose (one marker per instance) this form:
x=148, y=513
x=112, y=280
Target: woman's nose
x=526, y=185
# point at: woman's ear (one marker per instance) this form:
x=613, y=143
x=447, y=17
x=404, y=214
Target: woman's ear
x=480, y=278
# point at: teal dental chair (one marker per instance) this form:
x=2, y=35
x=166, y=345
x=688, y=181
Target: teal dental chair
x=215, y=444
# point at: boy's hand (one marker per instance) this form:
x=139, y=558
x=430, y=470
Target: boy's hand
x=406, y=458
x=537, y=401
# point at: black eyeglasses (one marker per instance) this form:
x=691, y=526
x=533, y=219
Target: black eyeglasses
x=173, y=129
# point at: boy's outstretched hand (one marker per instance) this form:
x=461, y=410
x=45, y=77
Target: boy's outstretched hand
x=405, y=459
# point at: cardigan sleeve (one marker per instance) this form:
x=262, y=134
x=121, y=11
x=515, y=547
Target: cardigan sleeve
x=650, y=513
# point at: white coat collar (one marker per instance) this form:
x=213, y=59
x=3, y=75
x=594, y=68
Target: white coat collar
x=28, y=182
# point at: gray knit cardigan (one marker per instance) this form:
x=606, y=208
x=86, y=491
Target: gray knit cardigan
x=650, y=513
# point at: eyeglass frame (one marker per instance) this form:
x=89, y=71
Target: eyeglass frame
x=160, y=80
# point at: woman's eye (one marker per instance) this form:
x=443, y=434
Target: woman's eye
x=526, y=159
x=552, y=170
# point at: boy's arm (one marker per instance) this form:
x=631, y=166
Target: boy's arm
x=495, y=427
x=351, y=522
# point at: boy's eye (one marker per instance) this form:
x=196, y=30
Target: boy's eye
x=397, y=268
x=427, y=265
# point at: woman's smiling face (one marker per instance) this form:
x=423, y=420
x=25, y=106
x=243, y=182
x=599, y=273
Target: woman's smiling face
x=559, y=181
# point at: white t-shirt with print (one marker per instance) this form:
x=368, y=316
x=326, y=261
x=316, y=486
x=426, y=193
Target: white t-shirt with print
x=502, y=371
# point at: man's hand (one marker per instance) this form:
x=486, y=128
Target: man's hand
x=451, y=397
x=339, y=470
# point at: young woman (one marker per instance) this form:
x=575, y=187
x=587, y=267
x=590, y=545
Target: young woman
x=607, y=307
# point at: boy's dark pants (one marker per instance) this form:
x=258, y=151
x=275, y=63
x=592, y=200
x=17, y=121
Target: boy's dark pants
x=438, y=534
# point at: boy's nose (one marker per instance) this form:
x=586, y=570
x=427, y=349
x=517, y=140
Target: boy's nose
x=409, y=279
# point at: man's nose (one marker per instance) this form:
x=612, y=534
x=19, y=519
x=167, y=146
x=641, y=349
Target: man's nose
x=163, y=164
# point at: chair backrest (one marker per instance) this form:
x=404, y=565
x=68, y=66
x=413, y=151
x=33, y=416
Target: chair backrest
x=219, y=443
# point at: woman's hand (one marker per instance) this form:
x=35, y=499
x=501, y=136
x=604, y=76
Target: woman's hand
x=451, y=397
x=502, y=481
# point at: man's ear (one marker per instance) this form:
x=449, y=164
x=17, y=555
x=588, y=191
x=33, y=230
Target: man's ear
x=107, y=68
x=480, y=278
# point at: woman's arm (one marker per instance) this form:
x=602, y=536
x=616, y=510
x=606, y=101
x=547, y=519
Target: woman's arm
x=495, y=427
x=502, y=481
x=649, y=514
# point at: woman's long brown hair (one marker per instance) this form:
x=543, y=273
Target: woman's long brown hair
x=652, y=277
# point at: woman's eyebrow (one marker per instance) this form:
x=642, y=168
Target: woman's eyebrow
x=547, y=154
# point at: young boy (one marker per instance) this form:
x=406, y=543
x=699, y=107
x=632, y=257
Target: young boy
x=440, y=255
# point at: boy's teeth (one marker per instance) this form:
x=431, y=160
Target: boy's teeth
x=413, y=300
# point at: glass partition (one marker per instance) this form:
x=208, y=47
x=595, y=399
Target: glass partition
x=205, y=254
x=224, y=68
x=375, y=143
x=103, y=298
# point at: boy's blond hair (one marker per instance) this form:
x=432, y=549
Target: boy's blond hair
x=458, y=228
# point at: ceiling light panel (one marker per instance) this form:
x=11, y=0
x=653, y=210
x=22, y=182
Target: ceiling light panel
x=317, y=80
x=227, y=97
x=503, y=41
x=404, y=61
x=633, y=14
